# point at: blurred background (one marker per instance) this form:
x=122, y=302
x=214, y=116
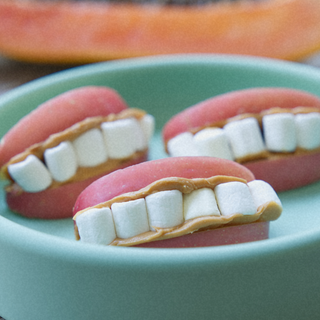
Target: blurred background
x=42, y=37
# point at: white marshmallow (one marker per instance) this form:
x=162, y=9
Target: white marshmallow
x=200, y=202
x=182, y=145
x=308, y=130
x=245, y=137
x=96, y=226
x=262, y=192
x=213, y=142
x=279, y=132
x=30, y=174
x=123, y=137
x=61, y=161
x=147, y=124
x=130, y=218
x=138, y=137
x=165, y=209
x=234, y=197
x=90, y=148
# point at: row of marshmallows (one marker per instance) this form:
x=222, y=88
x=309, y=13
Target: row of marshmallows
x=170, y=208
x=114, y=140
x=281, y=132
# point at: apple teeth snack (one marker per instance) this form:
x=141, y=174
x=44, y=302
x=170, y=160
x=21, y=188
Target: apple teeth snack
x=176, y=202
x=275, y=132
x=61, y=147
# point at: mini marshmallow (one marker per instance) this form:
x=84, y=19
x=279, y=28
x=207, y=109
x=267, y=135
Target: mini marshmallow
x=147, y=124
x=61, y=161
x=234, y=197
x=262, y=193
x=213, y=142
x=138, y=137
x=245, y=137
x=90, y=148
x=198, y=203
x=279, y=132
x=96, y=226
x=182, y=145
x=165, y=209
x=308, y=130
x=30, y=174
x=130, y=218
x=123, y=137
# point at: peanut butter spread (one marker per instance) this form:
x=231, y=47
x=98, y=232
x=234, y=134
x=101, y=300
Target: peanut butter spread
x=267, y=212
x=70, y=134
x=264, y=154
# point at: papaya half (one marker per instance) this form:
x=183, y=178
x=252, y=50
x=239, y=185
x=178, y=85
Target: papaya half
x=89, y=31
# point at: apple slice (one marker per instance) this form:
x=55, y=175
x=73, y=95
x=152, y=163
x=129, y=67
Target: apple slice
x=275, y=132
x=61, y=147
x=172, y=202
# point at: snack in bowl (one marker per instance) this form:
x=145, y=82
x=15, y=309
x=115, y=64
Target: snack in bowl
x=275, y=132
x=176, y=202
x=66, y=143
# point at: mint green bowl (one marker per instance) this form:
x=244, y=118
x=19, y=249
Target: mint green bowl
x=46, y=274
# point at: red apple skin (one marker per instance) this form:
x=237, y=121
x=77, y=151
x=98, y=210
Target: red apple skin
x=136, y=177
x=216, y=237
x=287, y=173
x=57, y=114
x=283, y=174
x=56, y=203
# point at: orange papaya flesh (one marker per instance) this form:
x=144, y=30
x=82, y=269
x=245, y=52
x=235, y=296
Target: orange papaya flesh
x=82, y=32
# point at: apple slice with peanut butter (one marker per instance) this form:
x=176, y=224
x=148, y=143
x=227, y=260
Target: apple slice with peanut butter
x=176, y=202
x=275, y=132
x=48, y=175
